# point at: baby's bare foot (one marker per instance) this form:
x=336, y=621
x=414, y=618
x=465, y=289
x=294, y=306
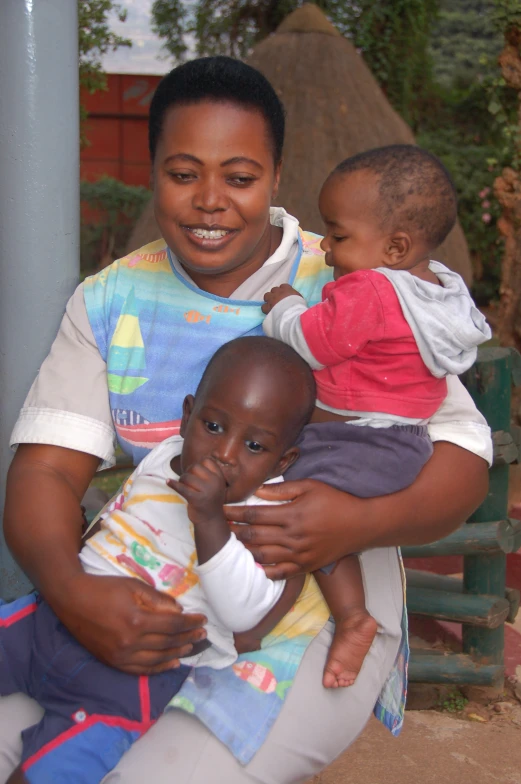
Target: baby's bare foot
x=351, y=642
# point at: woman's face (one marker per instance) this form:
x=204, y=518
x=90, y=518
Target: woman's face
x=214, y=179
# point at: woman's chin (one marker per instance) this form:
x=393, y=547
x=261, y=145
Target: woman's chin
x=209, y=261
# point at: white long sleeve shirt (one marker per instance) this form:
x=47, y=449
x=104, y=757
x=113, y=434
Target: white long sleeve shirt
x=146, y=533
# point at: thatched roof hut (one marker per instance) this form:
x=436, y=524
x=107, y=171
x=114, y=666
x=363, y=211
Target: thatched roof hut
x=335, y=108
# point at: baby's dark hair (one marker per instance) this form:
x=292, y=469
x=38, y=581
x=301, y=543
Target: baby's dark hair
x=222, y=80
x=416, y=190
x=278, y=358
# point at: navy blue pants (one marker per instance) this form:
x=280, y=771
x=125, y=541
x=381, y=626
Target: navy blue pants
x=364, y=461
x=93, y=713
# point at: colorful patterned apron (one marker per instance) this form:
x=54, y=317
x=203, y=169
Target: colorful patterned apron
x=157, y=332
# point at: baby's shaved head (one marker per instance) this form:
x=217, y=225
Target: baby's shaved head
x=284, y=371
x=415, y=190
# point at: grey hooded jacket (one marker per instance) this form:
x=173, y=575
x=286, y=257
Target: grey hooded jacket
x=444, y=320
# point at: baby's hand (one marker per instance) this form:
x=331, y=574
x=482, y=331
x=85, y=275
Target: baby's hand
x=203, y=487
x=276, y=294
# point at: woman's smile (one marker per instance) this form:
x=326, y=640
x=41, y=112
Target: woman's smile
x=212, y=237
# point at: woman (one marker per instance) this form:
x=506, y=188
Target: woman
x=216, y=134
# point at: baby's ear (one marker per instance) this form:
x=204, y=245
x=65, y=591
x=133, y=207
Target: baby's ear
x=398, y=249
x=288, y=458
x=188, y=407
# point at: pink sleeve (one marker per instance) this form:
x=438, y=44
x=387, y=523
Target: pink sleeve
x=349, y=316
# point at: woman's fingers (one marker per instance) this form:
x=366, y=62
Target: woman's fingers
x=254, y=515
x=187, y=628
x=254, y=535
x=273, y=515
x=286, y=491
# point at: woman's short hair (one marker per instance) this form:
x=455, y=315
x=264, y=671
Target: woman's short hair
x=219, y=79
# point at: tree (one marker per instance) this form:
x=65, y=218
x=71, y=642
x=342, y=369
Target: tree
x=393, y=36
x=507, y=187
x=394, y=39
x=95, y=39
x=462, y=36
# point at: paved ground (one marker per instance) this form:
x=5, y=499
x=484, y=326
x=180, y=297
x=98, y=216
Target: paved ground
x=433, y=748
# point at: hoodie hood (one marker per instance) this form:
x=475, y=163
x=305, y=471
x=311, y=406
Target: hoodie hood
x=444, y=320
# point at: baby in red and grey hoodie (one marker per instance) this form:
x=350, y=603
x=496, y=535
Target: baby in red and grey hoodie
x=390, y=327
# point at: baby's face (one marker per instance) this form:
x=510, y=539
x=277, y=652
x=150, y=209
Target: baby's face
x=239, y=422
x=353, y=239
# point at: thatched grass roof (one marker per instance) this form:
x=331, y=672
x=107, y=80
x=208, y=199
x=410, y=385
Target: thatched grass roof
x=335, y=108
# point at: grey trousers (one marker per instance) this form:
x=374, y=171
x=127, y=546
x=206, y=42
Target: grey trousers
x=313, y=728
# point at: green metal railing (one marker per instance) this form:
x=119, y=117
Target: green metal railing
x=480, y=601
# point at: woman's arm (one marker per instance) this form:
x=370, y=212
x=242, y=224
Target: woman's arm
x=65, y=422
x=121, y=621
x=321, y=524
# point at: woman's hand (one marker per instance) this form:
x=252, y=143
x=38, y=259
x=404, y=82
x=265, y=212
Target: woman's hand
x=127, y=624
x=309, y=532
x=319, y=524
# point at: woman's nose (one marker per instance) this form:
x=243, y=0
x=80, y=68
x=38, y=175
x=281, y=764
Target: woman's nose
x=209, y=197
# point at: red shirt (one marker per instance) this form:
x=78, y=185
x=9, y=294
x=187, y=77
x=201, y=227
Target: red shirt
x=372, y=361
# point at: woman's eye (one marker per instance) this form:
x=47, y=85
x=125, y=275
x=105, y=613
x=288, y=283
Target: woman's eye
x=241, y=182
x=254, y=447
x=213, y=427
x=181, y=176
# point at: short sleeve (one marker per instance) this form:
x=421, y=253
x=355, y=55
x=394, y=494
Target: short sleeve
x=350, y=315
x=68, y=403
x=458, y=421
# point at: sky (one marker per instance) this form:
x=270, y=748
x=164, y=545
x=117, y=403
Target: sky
x=145, y=56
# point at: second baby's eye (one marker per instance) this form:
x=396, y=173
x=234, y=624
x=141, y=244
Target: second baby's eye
x=213, y=427
x=254, y=447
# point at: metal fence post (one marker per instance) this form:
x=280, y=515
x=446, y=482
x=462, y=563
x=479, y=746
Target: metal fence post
x=39, y=203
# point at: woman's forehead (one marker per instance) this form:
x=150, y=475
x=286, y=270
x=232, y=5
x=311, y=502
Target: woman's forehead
x=215, y=130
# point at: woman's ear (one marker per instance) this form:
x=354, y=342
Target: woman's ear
x=276, y=181
x=287, y=459
x=188, y=407
x=398, y=249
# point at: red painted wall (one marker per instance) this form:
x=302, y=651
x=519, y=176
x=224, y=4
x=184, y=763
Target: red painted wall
x=117, y=129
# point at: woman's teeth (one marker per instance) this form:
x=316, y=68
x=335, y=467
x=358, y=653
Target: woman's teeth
x=210, y=234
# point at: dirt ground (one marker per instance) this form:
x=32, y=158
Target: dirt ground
x=433, y=747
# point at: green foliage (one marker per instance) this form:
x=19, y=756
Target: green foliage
x=507, y=15
x=393, y=37
x=473, y=167
x=473, y=128
x=394, y=40
x=172, y=21
x=95, y=39
x=462, y=36
x=114, y=208
x=454, y=702
x=229, y=27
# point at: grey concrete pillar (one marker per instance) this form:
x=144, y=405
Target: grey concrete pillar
x=39, y=203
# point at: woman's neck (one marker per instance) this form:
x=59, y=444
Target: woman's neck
x=224, y=284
